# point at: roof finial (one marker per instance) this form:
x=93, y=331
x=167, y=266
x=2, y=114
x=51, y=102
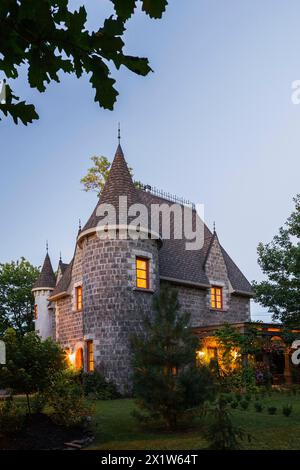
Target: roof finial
x=214, y=227
x=47, y=246
x=60, y=260
x=119, y=133
x=79, y=225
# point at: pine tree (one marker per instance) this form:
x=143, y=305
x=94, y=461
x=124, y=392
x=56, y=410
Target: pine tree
x=167, y=382
x=221, y=433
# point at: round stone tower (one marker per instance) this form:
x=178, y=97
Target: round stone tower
x=115, y=300
x=43, y=311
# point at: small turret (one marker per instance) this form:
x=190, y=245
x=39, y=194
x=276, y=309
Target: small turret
x=60, y=269
x=43, y=311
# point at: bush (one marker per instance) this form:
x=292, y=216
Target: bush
x=248, y=397
x=95, y=386
x=30, y=363
x=238, y=380
x=229, y=398
x=238, y=397
x=226, y=398
x=287, y=410
x=38, y=403
x=258, y=407
x=234, y=405
x=244, y=404
x=272, y=410
x=65, y=395
x=11, y=417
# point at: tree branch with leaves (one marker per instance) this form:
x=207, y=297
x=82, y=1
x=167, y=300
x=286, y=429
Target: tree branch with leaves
x=49, y=38
x=96, y=176
x=280, y=262
x=16, y=298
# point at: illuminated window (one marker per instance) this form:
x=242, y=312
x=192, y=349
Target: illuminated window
x=173, y=370
x=142, y=273
x=79, y=358
x=90, y=356
x=35, y=312
x=216, y=298
x=78, y=292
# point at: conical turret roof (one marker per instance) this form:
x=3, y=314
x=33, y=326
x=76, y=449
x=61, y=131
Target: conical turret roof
x=119, y=183
x=47, y=277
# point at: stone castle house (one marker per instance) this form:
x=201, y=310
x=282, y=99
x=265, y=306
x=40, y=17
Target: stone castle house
x=94, y=303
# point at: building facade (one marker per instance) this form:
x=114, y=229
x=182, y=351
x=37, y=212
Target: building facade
x=95, y=303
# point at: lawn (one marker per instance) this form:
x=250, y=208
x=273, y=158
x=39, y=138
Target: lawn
x=115, y=428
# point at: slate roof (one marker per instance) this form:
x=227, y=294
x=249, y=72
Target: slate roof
x=175, y=262
x=237, y=278
x=62, y=266
x=47, y=277
x=64, y=282
x=119, y=183
x=188, y=265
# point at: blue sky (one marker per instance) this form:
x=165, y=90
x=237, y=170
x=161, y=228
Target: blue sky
x=214, y=123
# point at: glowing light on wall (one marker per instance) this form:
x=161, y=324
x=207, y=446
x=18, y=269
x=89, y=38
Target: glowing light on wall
x=71, y=358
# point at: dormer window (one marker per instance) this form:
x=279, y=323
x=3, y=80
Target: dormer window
x=78, y=296
x=142, y=273
x=216, y=298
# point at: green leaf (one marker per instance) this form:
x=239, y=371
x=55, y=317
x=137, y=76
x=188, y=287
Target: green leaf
x=33, y=32
x=76, y=21
x=106, y=94
x=113, y=27
x=36, y=75
x=18, y=111
x=124, y=8
x=154, y=8
x=137, y=65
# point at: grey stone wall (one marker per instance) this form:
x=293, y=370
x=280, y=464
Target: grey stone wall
x=113, y=307
x=236, y=308
x=216, y=271
x=196, y=303
x=240, y=308
x=69, y=322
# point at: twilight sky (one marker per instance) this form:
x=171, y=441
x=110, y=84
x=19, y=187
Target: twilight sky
x=214, y=123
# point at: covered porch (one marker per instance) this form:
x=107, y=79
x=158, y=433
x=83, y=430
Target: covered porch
x=272, y=363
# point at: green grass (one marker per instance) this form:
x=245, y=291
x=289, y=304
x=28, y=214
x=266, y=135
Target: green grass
x=116, y=429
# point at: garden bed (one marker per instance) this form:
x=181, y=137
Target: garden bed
x=41, y=433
